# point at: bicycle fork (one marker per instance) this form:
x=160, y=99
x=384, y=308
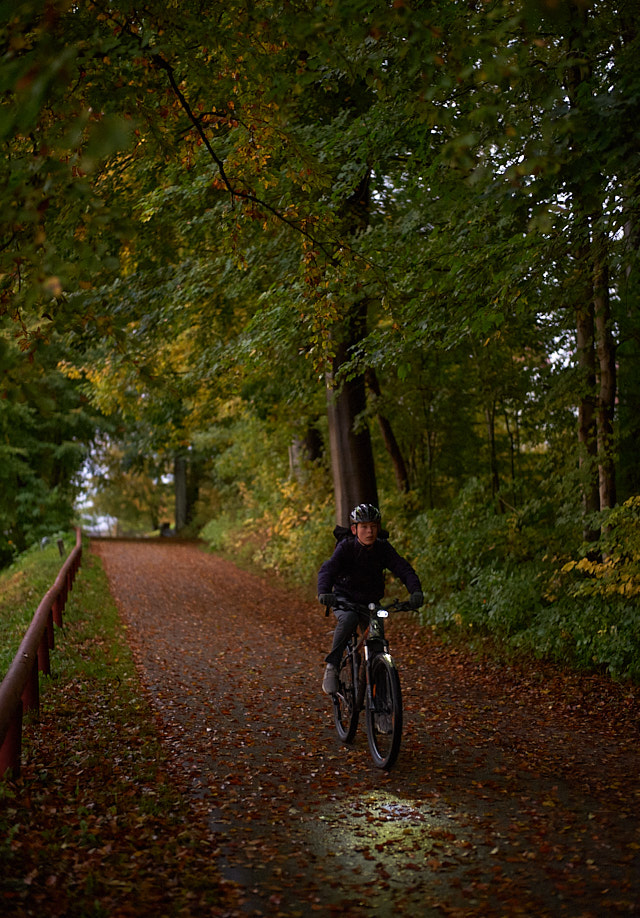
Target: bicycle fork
x=372, y=648
x=365, y=680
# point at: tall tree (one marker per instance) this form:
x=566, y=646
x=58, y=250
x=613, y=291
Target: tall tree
x=46, y=430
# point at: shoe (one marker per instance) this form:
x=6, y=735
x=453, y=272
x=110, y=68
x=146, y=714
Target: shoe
x=330, y=681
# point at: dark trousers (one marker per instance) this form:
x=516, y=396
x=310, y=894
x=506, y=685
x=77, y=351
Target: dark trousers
x=348, y=621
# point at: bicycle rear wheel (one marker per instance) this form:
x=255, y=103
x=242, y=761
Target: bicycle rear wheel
x=384, y=711
x=345, y=708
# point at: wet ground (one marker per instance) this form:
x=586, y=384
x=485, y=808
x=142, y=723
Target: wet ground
x=515, y=792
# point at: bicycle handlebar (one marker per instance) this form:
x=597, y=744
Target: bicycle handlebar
x=397, y=605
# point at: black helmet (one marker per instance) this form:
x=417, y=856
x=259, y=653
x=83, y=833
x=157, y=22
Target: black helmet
x=365, y=513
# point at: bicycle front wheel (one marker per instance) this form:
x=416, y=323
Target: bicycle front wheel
x=384, y=711
x=345, y=707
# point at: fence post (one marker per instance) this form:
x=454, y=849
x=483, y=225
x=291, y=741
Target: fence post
x=44, y=664
x=50, y=638
x=31, y=691
x=11, y=749
x=57, y=612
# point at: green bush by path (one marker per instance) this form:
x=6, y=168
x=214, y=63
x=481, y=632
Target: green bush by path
x=290, y=536
x=511, y=579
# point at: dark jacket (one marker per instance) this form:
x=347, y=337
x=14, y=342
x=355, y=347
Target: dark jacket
x=357, y=573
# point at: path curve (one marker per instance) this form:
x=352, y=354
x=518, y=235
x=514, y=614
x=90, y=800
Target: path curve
x=513, y=794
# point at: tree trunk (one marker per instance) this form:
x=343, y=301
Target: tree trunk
x=304, y=450
x=180, y=490
x=194, y=475
x=490, y=419
x=606, y=353
x=354, y=478
x=388, y=437
x=595, y=414
x=628, y=359
x=587, y=432
x=514, y=451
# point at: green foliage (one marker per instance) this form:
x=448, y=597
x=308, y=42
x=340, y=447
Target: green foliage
x=612, y=571
x=506, y=578
x=285, y=528
x=467, y=542
x=599, y=593
x=46, y=427
x=298, y=533
x=221, y=533
x=56, y=135
x=249, y=456
x=591, y=634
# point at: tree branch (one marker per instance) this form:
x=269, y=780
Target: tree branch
x=234, y=192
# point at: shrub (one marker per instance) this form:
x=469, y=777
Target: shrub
x=298, y=535
x=507, y=576
x=601, y=615
x=291, y=536
x=612, y=569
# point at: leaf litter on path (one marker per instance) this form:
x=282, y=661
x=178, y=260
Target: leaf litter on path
x=516, y=791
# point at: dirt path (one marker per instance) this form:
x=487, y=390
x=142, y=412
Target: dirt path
x=513, y=794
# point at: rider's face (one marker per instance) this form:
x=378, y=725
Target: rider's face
x=366, y=533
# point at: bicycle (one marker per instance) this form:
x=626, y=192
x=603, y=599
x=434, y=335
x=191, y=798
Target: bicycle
x=368, y=678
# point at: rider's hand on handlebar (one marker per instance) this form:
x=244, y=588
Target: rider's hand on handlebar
x=327, y=599
x=416, y=600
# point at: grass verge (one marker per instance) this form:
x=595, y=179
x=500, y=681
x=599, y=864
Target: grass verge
x=22, y=586
x=97, y=824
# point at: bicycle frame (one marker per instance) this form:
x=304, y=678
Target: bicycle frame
x=372, y=641
x=373, y=638
x=371, y=682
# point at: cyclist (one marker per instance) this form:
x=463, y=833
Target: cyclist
x=355, y=572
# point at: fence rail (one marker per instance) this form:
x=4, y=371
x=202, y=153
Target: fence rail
x=20, y=688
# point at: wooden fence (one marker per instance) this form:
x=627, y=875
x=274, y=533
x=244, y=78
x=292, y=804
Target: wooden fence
x=20, y=688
